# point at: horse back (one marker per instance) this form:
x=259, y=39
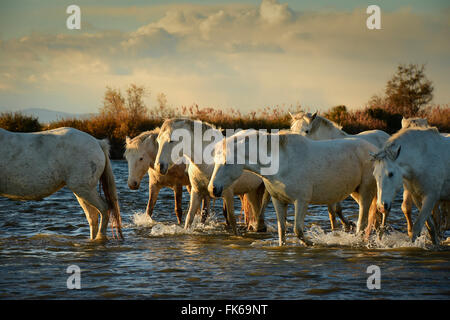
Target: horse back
x=35, y=165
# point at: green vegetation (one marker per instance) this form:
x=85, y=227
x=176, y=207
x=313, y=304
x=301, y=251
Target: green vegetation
x=407, y=94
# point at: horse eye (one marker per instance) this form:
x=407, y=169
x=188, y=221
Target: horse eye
x=141, y=159
x=307, y=131
x=390, y=174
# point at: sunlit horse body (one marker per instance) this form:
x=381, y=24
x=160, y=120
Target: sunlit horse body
x=141, y=153
x=310, y=172
x=441, y=216
x=36, y=165
x=317, y=127
x=200, y=173
x=419, y=158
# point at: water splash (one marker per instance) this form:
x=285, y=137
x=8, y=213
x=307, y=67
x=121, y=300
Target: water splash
x=391, y=240
x=210, y=226
x=141, y=219
x=161, y=229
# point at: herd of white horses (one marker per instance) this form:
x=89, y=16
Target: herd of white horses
x=318, y=164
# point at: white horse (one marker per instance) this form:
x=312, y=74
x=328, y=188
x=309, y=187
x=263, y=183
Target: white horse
x=200, y=173
x=441, y=216
x=141, y=153
x=414, y=123
x=419, y=158
x=317, y=127
x=36, y=165
x=418, y=123
x=316, y=172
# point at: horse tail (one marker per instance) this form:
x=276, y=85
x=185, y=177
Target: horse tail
x=109, y=189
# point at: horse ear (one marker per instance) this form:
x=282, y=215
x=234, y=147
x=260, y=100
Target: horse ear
x=127, y=140
x=292, y=116
x=398, y=152
x=314, y=116
x=403, y=122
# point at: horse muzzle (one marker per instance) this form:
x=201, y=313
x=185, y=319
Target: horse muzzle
x=384, y=207
x=133, y=185
x=217, y=191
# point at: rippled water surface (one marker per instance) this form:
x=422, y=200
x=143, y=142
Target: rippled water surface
x=159, y=259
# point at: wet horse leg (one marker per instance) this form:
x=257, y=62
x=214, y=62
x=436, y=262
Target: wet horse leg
x=178, y=192
x=92, y=198
x=280, y=209
x=152, y=197
x=301, y=208
x=194, y=205
x=91, y=216
x=407, y=209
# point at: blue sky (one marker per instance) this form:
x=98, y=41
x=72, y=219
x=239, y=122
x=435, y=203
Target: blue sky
x=246, y=54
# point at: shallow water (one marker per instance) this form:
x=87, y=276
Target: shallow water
x=159, y=259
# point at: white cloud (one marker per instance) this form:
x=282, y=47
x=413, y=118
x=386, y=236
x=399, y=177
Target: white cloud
x=274, y=12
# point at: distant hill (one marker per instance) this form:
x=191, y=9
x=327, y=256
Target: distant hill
x=46, y=115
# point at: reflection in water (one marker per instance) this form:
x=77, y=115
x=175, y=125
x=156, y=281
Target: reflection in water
x=159, y=259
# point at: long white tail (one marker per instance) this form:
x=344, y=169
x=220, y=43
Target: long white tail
x=109, y=188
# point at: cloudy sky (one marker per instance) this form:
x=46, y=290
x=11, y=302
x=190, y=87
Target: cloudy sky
x=246, y=54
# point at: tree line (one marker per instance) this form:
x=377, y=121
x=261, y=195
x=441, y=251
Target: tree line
x=407, y=94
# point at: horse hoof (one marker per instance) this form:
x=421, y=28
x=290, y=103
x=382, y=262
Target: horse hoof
x=101, y=238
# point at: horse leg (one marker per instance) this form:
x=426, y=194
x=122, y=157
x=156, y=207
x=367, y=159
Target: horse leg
x=332, y=215
x=364, y=195
x=431, y=223
x=194, y=205
x=92, y=198
x=152, y=197
x=229, y=200
x=178, y=192
x=280, y=209
x=261, y=224
x=407, y=209
x=433, y=231
x=428, y=203
x=372, y=219
x=301, y=208
x=206, y=208
x=242, y=212
x=91, y=216
x=258, y=200
x=225, y=214
x=348, y=224
x=254, y=206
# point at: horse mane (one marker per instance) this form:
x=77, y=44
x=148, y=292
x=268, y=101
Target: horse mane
x=136, y=142
x=171, y=122
x=413, y=134
x=319, y=120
